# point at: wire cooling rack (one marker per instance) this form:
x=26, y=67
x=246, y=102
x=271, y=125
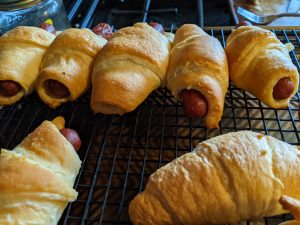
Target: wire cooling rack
x=120, y=152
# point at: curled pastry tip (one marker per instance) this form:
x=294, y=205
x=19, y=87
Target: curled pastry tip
x=59, y=122
x=292, y=205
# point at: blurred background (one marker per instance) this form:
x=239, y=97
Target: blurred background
x=173, y=13
x=119, y=13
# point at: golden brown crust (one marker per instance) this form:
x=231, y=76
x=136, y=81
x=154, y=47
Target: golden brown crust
x=186, y=31
x=132, y=64
x=257, y=61
x=37, y=177
x=198, y=61
x=69, y=60
x=21, y=52
x=131, y=88
x=18, y=174
x=82, y=40
x=235, y=176
x=47, y=144
x=29, y=35
x=292, y=205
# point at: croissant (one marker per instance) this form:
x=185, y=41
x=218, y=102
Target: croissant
x=37, y=177
x=235, y=176
x=21, y=52
x=260, y=63
x=66, y=68
x=198, y=74
x=132, y=64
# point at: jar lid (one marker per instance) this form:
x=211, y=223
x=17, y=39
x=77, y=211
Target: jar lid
x=17, y=4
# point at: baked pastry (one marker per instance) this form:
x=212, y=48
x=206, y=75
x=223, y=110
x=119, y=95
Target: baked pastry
x=132, y=64
x=235, y=176
x=198, y=74
x=260, y=63
x=170, y=36
x=66, y=68
x=37, y=177
x=21, y=52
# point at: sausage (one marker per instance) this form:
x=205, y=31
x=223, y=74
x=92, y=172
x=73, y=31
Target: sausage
x=194, y=103
x=157, y=26
x=72, y=136
x=57, y=89
x=103, y=30
x=9, y=88
x=243, y=23
x=283, y=89
x=48, y=27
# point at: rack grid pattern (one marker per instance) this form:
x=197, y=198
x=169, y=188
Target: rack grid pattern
x=120, y=152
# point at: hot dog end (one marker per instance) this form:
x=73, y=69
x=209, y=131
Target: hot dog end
x=283, y=89
x=9, y=88
x=56, y=89
x=194, y=103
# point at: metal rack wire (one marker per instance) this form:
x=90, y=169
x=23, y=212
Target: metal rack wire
x=120, y=152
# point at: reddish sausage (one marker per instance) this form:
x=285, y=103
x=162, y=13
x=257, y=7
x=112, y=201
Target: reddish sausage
x=57, y=89
x=9, y=88
x=194, y=103
x=48, y=27
x=157, y=26
x=72, y=136
x=243, y=23
x=283, y=89
x=103, y=30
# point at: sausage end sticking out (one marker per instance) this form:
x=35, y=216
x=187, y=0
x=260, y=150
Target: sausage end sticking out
x=157, y=26
x=283, y=89
x=48, y=27
x=56, y=89
x=9, y=88
x=72, y=136
x=103, y=30
x=194, y=103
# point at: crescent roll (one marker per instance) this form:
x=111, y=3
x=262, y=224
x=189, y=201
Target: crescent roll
x=37, y=178
x=260, y=63
x=21, y=52
x=132, y=64
x=198, y=64
x=66, y=68
x=226, y=179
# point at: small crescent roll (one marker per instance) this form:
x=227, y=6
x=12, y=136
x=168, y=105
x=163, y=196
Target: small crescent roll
x=258, y=61
x=198, y=62
x=21, y=52
x=68, y=62
x=37, y=177
x=132, y=64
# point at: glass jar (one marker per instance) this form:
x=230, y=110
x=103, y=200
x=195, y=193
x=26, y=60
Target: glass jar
x=32, y=13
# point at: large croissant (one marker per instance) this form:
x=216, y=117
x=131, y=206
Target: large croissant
x=130, y=66
x=21, y=53
x=260, y=63
x=37, y=177
x=198, y=64
x=242, y=175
